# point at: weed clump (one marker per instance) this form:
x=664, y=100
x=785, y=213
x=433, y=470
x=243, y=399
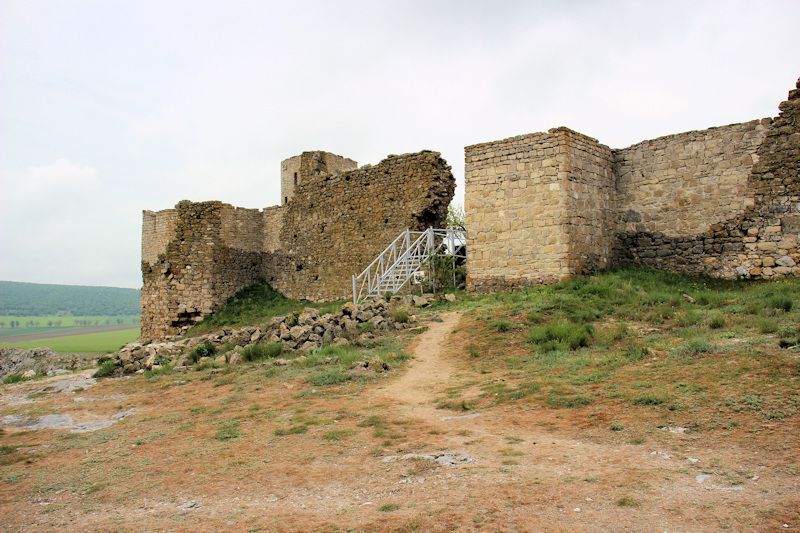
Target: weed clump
x=106, y=368
x=693, y=348
x=502, y=326
x=205, y=349
x=561, y=335
x=399, y=314
x=262, y=350
x=12, y=378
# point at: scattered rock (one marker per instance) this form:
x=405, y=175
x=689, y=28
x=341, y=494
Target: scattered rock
x=450, y=297
x=688, y=298
x=189, y=505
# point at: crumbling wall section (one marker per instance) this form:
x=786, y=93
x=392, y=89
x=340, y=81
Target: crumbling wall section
x=199, y=254
x=744, y=213
x=337, y=223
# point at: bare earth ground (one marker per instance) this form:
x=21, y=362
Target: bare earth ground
x=170, y=466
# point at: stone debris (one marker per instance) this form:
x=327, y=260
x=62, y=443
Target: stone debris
x=61, y=422
x=460, y=417
x=38, y=361
x=443, y=458
x=186, y=506
x=675, y=429
x=302, y=332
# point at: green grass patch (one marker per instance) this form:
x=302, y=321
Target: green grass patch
x=254, y=304
x=104, y=342
x=560, y=335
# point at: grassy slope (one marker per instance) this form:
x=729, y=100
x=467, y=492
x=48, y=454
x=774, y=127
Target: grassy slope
x=105, y=342
x=256, y=304
x=632, y=341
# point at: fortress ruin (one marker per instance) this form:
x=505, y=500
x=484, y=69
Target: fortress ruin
x=723, y=202
x=540, y=208
x=333, y=220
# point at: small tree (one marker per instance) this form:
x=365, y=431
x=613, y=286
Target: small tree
x=456, y=218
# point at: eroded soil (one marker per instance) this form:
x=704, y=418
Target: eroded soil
x=243, y=452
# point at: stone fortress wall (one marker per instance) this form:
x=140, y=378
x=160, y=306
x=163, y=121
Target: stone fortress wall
x=723, y=202
x=331, y=225
x=540, y=207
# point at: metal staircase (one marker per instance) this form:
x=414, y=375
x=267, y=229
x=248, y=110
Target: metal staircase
x=407, y=254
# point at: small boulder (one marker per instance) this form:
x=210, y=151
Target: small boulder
x=450, y=297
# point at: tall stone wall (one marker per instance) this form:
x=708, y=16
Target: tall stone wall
x=537, y=209
x=682, y=184
x=723, y=202
x=196, y=256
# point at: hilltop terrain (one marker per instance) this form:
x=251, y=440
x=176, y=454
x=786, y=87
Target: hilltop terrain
x=631, y=400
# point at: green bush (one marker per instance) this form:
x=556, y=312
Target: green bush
x=106, y=368
x=12, y=378
x=561, y=335
x=205, y=349
x=262, y=350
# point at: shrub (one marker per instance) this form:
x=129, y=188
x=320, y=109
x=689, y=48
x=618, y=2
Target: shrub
x=502, y=325
x=648, y=399
x=106, y=368
x=561, y=335
x=205, y=349
x=162, y=360
x=781, y=303
x=716, y=321
x=765, y=325
x=399, y=314
x=262, y=350
x=12, y=378
x=337, y=434
x=693, y=347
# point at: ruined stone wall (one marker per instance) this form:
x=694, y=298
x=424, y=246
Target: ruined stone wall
x=744, y=211
x=295, y=168
x=337, y=223
x=722, y=202
x=158, y=228
x=271, y=226
x=199, y=254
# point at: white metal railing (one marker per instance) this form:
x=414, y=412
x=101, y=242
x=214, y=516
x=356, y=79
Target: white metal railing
x=407, y=254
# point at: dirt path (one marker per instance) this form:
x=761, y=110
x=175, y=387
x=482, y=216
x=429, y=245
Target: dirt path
x=428, y=373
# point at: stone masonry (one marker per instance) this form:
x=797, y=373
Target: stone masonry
x=332, y=224
x=723, y=202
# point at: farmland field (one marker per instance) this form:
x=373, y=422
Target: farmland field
x=102, y=342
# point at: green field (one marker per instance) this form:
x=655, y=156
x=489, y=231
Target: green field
x=105, y=342
x=29, y=325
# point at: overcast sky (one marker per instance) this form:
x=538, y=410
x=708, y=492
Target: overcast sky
x=110, y=107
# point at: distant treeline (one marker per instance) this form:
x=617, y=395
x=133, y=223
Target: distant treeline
x=37, y=299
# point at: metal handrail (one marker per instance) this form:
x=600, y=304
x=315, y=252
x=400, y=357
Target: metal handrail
x=393, y=267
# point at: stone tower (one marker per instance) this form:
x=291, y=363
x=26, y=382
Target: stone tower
x=309, y=164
